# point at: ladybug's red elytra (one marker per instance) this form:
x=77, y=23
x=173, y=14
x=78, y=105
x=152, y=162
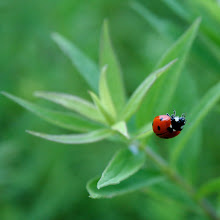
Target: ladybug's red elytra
x=166, y=126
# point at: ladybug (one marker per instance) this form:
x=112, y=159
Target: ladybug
x=166, y=126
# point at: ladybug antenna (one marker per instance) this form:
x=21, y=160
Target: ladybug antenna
x=183, y=115
x=168, y=115
x=174, y=113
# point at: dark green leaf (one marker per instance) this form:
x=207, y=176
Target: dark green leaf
x=137, y=97
x=141, y=179
x=212, y=186
x=159, y=97
x=196, y=117
x=125, y=163
x=85, y=66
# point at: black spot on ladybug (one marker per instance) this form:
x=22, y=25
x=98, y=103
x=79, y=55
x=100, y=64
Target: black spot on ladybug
x=161, y=119
x=158, y=127
x=170, y=130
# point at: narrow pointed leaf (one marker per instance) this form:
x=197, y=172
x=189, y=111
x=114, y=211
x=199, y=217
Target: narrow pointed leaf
x=114, y=77
x=159, y=25
x=101, y=108
x=90, y=137
x=104, y=93
x=195, y=118
x=141, y=179
x=124, y=164
x=178, y=9
x=121, y=127
x=87, y=68
x=212, y=186
x=71, y=102
x=137, y=97
x=64, y=120
x=160, y=96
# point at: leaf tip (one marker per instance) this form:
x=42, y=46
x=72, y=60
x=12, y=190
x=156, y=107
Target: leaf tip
x=3, y=93
x=54, y=36
x=198, y=20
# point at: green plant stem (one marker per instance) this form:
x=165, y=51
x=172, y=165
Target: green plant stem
x=176, y=178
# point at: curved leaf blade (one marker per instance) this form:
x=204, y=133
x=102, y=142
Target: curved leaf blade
x=124, y=164
x=61, y=119
x=137, y=97
x=90, y=137
x=196, y=117
x=121, y=127
x=101, y=108
x=212, y=186
x=73, y=103
x=114, y=76
x=159, y=101
x=141, y=179
x=104, y=93
x=87, y=68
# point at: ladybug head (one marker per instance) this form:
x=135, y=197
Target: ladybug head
x=178, y=122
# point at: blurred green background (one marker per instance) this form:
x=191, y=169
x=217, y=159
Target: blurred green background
x=44, y=180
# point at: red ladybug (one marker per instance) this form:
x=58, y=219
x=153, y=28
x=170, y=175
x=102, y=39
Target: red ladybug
x=166, y=126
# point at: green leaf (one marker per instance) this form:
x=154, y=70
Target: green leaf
x=124, y=164
x=104, y=93
x=157, y=100
x=212, y=186
x=121, y=127
x=178, y=9
x=114, y=77
x=101, y=108
x=159, y=25
x=141, y=179
x=90, y=137
x=61, y=119
x=195, y=118
x=87, y=68
x=137, y=97
x=74, y=103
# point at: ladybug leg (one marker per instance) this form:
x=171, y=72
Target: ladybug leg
x=174, y=113
x=183, y=115
x=168, y=115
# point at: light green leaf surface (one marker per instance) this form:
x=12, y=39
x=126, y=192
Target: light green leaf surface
x=87, y=68
x=73, y=103
x=212, y=186
x=64, y=120
x=141, y=179
x=101, y=109
x=124, y=164
x=195, y=118
x=121, y=127
x=160, y=96
x=90, y=137
x=137, y=97
x=114, y=77
x=104, y=93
